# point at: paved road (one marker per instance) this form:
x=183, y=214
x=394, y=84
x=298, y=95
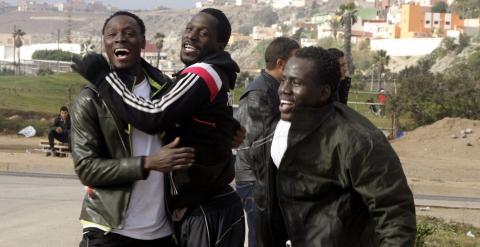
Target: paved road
x=39, y=212
x=42, y=210
x=447, y=201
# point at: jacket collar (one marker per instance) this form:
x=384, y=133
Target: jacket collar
x=306, y=120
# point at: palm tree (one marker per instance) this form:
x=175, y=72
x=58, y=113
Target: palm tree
x=334, y=26
x=159, y=44
x=348, y=14
x=18, y=42
x=381, y=60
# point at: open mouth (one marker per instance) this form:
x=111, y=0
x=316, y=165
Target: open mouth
x=189, y=48
x=121, y=53
x=286, y=105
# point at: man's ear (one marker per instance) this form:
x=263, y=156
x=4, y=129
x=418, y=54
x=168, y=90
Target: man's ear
x=325, y=92
x=280, y=63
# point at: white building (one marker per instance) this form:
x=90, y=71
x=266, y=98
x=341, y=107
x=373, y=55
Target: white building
x=406, y=47
x=280, y=4
x=264, y=33
x=26, y=51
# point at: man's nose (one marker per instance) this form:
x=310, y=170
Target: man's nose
x=193, y=34
x=119, y=38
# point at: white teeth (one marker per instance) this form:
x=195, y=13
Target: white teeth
x=286, y=102
x=190, y=48
x=121, y=49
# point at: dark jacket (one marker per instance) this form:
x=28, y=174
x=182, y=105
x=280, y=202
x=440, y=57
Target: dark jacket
x=64, y=124
x=257, y=113
x=195, y=108
x=340, y=183
x=102, y=159
x=344, y=89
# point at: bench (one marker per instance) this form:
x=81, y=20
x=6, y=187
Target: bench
x=61, y=149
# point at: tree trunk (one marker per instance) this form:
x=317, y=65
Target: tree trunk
x=347, y=46
x=158, y=58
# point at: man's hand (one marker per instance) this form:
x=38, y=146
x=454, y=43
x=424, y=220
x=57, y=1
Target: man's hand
x=239, y=137
x=93, y=67
x=171, y=158
x=59, y=130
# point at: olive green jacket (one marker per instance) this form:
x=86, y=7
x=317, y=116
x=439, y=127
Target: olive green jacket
x=340, y=183
x=101, y=154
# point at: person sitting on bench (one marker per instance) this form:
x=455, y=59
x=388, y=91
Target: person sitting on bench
x=60, y=130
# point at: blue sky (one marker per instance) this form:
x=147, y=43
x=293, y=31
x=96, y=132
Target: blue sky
x=134, y=4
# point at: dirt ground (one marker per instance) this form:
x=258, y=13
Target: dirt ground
x=435, y=162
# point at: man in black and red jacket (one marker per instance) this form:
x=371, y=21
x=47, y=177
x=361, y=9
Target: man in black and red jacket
x=197, y=109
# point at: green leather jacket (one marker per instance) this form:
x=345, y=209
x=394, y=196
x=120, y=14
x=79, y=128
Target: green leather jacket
x=101, y=154
x=341, y=184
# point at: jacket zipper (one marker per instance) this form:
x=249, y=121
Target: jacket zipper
x=126, y=151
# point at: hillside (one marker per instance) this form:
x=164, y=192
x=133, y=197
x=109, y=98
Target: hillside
x=43, y=26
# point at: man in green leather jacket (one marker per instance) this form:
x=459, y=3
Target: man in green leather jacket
x=339, y=181
x=121, y=167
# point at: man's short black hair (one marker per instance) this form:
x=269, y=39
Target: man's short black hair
x=279, y=48
x=224, y=29
x=336, y=53
x=327, y=67
x=64, y=108
x=134, y=16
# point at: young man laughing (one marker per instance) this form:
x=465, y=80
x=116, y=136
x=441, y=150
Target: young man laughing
x=339, y=181
x=195, y=108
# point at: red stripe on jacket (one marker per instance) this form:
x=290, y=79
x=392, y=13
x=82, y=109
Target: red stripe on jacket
x=207, y=78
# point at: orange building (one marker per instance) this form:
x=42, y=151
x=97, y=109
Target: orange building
x=418, y=21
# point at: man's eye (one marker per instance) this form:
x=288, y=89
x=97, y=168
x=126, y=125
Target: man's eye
x=204, y=33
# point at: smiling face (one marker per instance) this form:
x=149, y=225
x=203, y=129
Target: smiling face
x=200, y=39
x=124, y=42
x=299, y=89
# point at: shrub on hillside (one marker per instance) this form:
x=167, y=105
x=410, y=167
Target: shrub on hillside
x=427, y=98
x=54, y=55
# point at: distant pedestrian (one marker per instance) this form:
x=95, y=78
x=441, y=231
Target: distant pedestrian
x=382, y=99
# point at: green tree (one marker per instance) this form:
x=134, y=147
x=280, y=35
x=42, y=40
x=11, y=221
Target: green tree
x=334, y=26
x=381, y=60
x=266, y=17
x=18, y=43
x=440, y=7
x=54, y=55
x=466, y=8
x=349, y=17
x=159, y=45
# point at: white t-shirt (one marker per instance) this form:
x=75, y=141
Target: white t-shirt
x=279, y=142
x=145, y=217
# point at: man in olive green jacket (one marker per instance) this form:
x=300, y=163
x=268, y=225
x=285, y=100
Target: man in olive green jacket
x=339, y=181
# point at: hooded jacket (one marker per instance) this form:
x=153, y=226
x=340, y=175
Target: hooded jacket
x=340, y=183
x=196, y=108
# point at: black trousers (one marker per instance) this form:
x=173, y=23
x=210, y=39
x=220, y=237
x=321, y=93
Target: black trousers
x=94, y=237
x=61, y=137
x=220, y=222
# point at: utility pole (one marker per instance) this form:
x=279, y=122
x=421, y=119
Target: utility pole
x=58, y=49
x=14, y=31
